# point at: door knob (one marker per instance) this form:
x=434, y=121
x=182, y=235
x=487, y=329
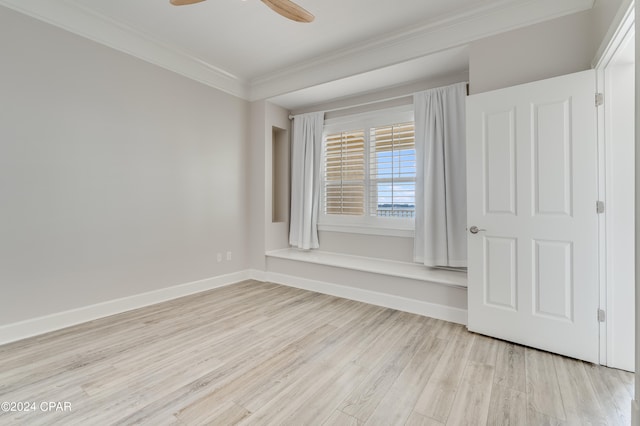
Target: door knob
x=474, y=230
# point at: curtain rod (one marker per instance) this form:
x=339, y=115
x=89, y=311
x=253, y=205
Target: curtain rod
x=370, y=103
x=360, y=104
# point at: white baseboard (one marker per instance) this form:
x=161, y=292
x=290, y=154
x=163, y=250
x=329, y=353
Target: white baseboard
x=255, y=274
x=36, y=326
x=446, y=313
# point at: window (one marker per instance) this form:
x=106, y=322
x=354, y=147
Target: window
x=392, y=171
x=369, y=171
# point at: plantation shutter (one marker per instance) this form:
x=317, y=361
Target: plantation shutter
x=344, y=178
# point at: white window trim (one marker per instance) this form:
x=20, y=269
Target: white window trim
x=369, y=225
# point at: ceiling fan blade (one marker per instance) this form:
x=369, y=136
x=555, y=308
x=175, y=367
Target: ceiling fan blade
x=184, y=2
x=289, y=10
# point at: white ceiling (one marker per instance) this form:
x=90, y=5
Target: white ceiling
x=247, y=39
x=244, y=48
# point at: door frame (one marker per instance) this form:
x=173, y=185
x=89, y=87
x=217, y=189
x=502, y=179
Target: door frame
x=621, y=31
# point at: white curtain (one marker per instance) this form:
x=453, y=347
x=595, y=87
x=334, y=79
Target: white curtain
x=305, y=180
x=441, y=195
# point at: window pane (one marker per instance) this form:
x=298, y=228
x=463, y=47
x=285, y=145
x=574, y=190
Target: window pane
x=392, y=168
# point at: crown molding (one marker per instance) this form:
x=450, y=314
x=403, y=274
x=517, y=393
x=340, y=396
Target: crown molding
x=75, y=18
x=444, y=33
x=451, y=31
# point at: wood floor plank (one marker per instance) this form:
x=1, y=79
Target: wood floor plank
x=261, y=353
x=290, y=406
x=364, y=400
x=328, y=356
x=581, y=405
x=111, y=342
x=543, y=389
x=612, y=392
x=326, y=398
x=508, y=406
x=510, y=367
x=338, y=418
x=535, y=418
x=202, y=385
x=263, y=391
x=437, y=397
x=227, y=413
x=444, y=330
x=331, y=352
x=484, y=350
x=388, y=336
x=626, y=378
x=144, y=390
x=416, y=419
x=322, y=402
x=472, y=402
x=399, y=401
x=190, y=387
x=261, y=375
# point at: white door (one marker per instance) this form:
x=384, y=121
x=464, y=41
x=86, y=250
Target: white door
x=532, y=193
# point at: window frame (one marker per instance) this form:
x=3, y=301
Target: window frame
x=365, y=224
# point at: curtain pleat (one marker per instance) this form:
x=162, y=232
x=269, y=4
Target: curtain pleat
x=441, y=195
x=305, y=180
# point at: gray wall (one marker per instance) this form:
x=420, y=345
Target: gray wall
x=603, y=13
x=380, y=246
x=116, y=177
x=549, y=49
x=264, y=234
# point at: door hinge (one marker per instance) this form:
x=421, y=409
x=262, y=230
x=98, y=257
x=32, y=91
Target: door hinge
x=599, y=207
x=599, y=99
x=602, y=316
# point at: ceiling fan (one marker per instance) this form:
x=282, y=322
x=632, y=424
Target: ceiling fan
x=286, y=8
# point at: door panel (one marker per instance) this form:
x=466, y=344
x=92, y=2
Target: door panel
x=553, y=279
x=500, y=282
x=552, y=158
x=499, y=145
x=532, y=189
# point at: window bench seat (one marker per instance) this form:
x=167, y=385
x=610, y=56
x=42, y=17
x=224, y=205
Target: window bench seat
x=374, y=265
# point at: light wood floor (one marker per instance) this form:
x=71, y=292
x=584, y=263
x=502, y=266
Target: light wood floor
x=264, y=354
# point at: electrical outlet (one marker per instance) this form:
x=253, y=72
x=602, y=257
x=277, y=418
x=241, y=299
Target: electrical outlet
x=219, y=257
x=228, y=255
